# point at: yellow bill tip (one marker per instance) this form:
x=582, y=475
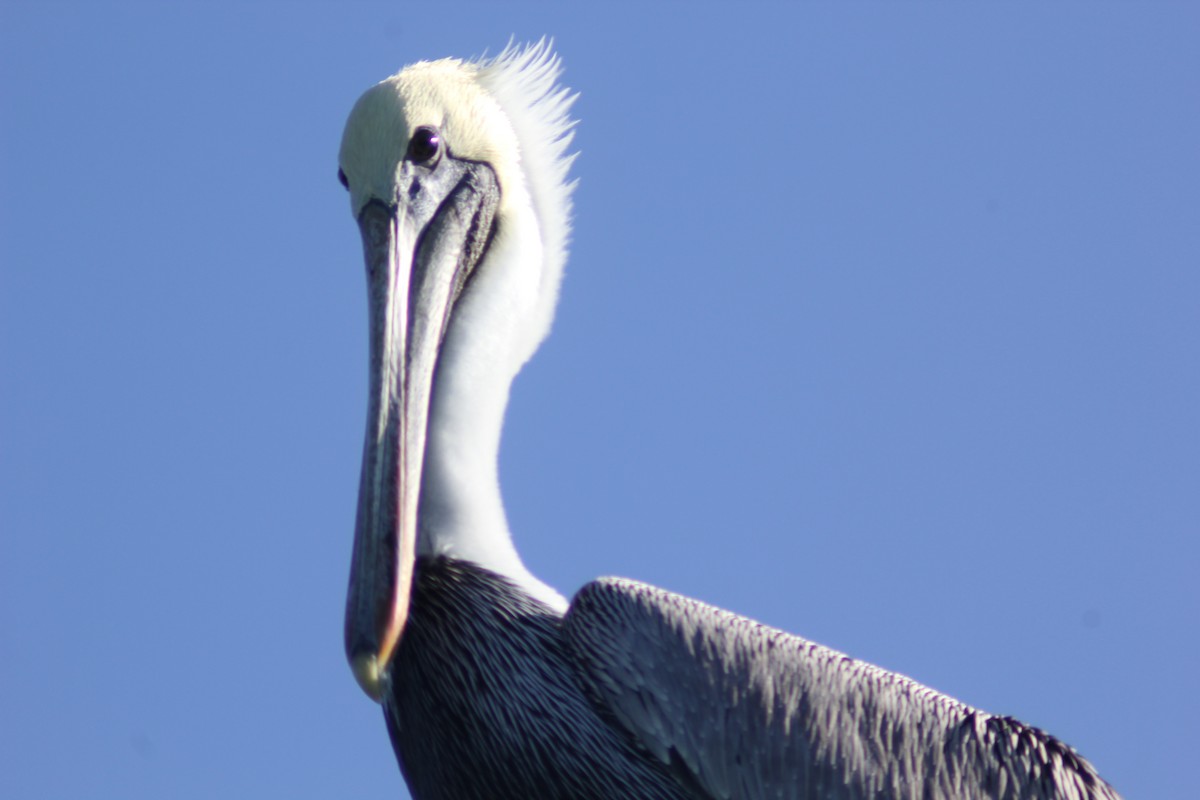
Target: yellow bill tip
x=370, y=674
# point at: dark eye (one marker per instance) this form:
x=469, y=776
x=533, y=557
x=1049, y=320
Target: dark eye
x=342, y=178
x=425, y=145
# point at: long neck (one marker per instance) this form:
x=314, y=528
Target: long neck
x=461, y=511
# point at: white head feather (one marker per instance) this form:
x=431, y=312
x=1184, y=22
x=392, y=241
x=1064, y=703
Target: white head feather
x=508, y=112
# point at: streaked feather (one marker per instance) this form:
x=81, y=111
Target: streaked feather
x=753, y=712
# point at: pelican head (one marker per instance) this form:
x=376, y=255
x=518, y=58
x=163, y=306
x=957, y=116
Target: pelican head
x=457, y=177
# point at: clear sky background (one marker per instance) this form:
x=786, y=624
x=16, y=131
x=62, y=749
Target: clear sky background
x=882, y=325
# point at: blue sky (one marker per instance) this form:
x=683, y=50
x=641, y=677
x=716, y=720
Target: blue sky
x=882, y=325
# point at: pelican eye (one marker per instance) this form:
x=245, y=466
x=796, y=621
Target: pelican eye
x=425, y=145
x=342, y=178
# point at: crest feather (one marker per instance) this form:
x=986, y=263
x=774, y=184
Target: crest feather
x=524, y=82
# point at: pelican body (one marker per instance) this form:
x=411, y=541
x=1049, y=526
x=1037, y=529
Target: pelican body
x=492, y=685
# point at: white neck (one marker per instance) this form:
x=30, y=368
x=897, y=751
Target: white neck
x=461, y=511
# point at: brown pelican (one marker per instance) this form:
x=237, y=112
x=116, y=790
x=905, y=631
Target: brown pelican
x=492, y=685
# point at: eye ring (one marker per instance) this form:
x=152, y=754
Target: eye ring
x=425, y=145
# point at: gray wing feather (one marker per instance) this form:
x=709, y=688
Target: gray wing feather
x=742, y=710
